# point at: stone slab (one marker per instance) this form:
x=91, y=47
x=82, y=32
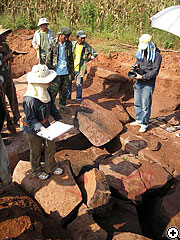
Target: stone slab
x=58, y=195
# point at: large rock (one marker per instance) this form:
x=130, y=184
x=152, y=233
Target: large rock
x=98, y=193
x=129, y=236
x=123, y=218
x=107, y=74
x=121, y=113
x=21, y=224
x=22, y=218
x=84, y=227
x=165, y=98
x=170, y=207
x=140, y=144
x=132, y=177
x=81, y=153
x=58, y=195
x=96, y=123
x=112, y=80
x=162, y=209
x=122, y=174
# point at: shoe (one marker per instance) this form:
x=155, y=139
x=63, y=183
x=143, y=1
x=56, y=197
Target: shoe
x=58, y=171
x=135, y=123
x=43, y=176
x=142, y=129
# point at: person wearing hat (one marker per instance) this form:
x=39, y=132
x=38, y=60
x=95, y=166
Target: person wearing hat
x=41, y=40
x=5, y=176
x=38, y=105
x=83, y=53
x=60, y=58
x=8, y=87
x=147, y=66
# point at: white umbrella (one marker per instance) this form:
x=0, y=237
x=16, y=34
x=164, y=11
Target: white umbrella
x=168, y=19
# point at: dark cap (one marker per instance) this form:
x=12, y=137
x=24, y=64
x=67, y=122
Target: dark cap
x=81, y=34
x=65, y=31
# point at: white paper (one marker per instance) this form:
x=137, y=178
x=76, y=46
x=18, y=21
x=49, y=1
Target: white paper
x=55, y=130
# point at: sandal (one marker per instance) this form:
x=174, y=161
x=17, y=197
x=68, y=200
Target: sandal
x=58, y=171
x=43, y=176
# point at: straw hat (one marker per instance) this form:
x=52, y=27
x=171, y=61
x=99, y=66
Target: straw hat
x=42, y=21
x=4, y=30
x=40, y=74
x=144, y=40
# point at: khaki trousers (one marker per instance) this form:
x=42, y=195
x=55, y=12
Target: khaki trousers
x=35, y=145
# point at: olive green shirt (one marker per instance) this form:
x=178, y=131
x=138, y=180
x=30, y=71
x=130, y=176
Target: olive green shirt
x=44, y=43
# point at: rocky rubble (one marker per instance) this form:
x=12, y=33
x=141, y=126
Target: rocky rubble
x=22, y=218
x=116, y=192
x=101, y=191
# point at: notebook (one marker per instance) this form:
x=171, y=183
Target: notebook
x=55, y=130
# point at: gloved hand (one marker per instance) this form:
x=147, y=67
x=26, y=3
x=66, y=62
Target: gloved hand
x=42, y=128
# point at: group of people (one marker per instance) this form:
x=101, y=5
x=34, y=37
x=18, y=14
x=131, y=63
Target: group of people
x=68, y=59
x=59, y=62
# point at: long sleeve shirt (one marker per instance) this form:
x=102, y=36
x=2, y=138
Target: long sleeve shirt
x=37, y=40
x=86, y=51
x=151, y=69
x=53, y=55
x=37, y=114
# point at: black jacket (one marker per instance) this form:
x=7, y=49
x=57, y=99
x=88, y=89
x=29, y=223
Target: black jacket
x=36, y=112
x=151, y=69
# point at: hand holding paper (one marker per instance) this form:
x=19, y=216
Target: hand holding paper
x=54, y=130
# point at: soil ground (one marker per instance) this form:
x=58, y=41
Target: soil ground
x=121, y=62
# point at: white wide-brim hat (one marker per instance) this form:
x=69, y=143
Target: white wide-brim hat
x=40, y=74
x=42, y=21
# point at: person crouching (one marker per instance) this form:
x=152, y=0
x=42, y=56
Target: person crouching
x=38, y=105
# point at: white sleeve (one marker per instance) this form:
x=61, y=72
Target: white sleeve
x=34, y=41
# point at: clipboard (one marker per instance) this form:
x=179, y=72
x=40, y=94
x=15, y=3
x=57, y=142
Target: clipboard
x=55, y=130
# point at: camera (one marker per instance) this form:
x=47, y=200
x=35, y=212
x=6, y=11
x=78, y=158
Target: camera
x=132, y=74
x=135, y=70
